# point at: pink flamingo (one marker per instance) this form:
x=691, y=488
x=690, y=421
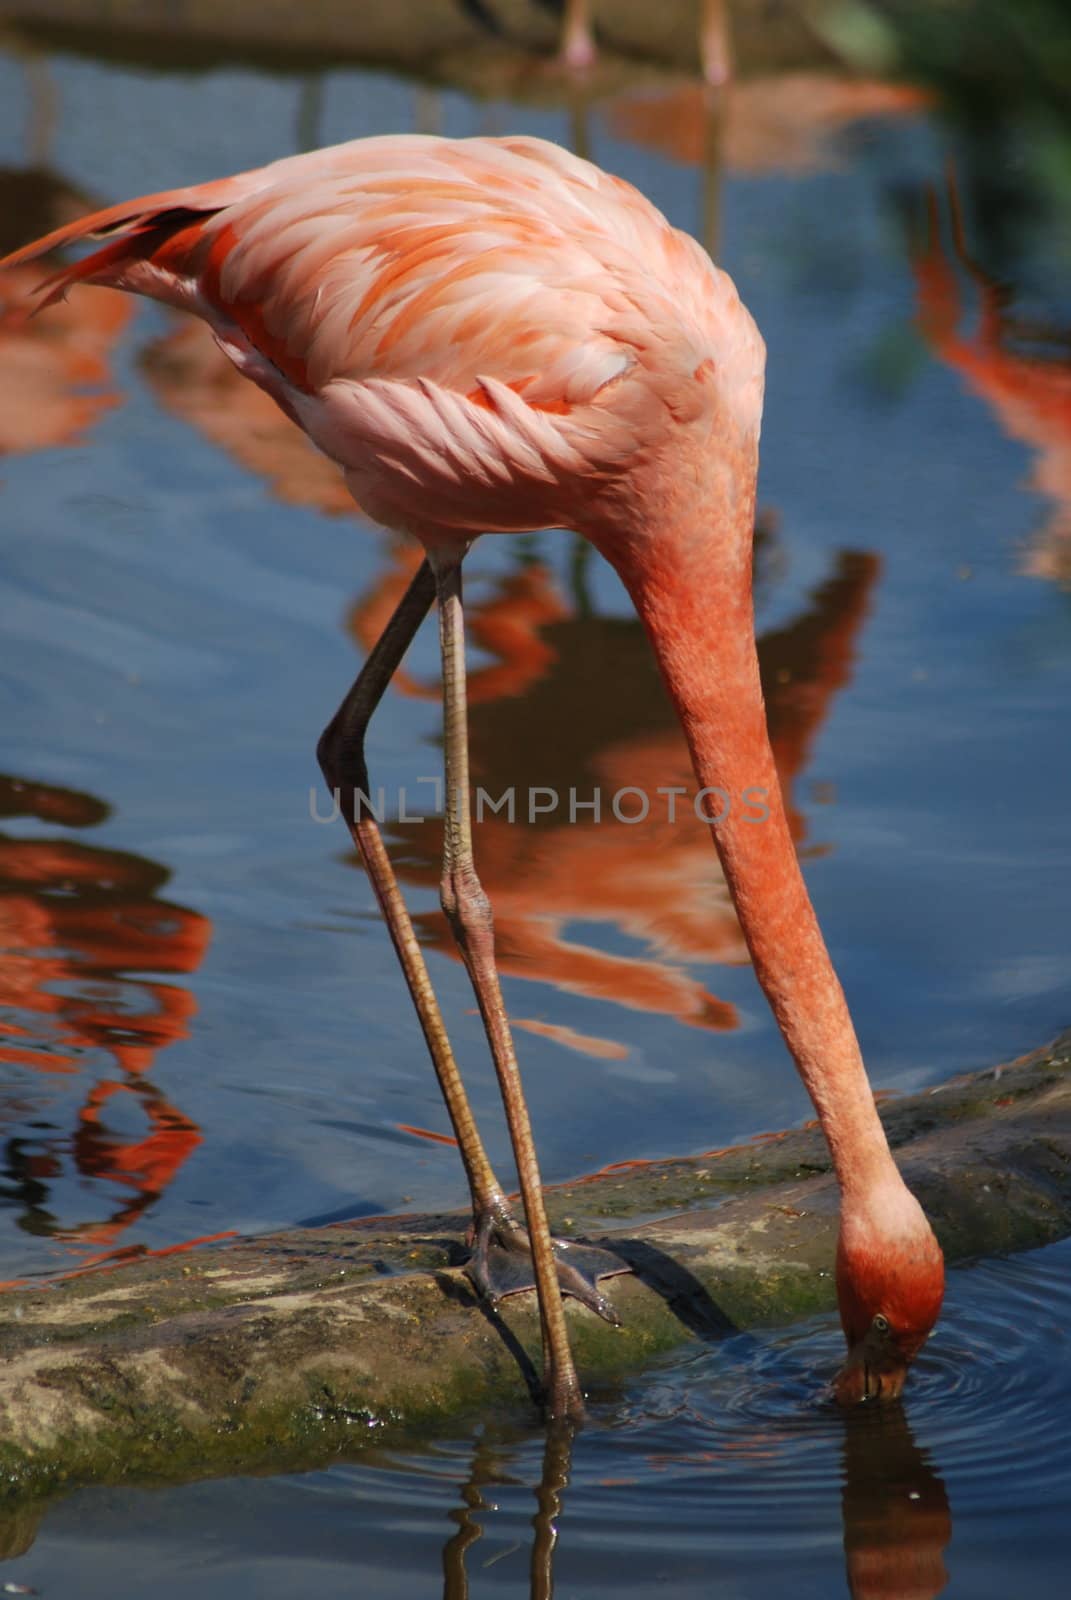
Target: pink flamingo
x=493, y=335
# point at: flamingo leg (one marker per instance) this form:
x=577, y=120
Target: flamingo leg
x=576, y=49
x=558, y=1266
x=715, y=42
x=501, y=1259
x=342, y=761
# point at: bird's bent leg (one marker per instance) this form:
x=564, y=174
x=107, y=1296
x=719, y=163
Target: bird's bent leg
x=557, y=1268
x=341, y=756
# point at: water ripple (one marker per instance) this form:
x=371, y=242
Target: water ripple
x=734, y=1453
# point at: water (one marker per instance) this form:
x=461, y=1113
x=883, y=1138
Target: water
x=202, y=1026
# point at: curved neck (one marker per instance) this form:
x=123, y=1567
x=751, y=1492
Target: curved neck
x=693, y=595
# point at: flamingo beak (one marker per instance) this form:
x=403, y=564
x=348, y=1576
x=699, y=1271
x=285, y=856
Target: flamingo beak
x=860, y=1379
x=875, y=1370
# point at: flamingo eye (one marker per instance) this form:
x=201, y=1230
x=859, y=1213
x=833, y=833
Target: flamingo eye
x=880, y=1324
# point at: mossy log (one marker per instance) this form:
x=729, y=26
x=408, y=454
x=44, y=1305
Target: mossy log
x=279, y=1351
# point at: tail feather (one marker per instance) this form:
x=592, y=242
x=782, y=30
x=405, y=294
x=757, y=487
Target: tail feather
x=133, y=229
x=136, y=242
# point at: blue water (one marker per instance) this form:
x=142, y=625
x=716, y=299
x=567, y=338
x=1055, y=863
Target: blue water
x=201, y=1024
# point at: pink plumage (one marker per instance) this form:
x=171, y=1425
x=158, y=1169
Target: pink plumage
x=473, y=328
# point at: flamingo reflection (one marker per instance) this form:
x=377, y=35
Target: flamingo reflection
x=774, y=124
x=897, y=1522
x=593, y=718
x=894, y=1507
x=486, y=1469
x=79, y=928
x=1021, y=370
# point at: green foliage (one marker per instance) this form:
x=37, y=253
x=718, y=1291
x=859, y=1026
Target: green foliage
x=982, y=55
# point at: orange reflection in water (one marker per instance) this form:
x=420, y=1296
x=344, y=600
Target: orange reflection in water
x=896, y=1518
x=779, y=124
x=894, y=1505
x=593, y=717
x=1022, y=371
x=897, y=1521
x=79, y=926
x=508, y=626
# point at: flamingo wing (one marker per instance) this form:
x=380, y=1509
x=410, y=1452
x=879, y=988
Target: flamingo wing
x=441, y=316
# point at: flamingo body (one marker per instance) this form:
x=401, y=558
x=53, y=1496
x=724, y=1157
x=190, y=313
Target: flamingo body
x=476, y=330
x=493, y=335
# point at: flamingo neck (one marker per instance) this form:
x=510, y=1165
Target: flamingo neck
x=694, y=598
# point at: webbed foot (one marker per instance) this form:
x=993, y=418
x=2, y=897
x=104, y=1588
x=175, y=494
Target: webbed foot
x=501, y=1265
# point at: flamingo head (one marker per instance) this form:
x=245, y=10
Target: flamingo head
x=890, y=1284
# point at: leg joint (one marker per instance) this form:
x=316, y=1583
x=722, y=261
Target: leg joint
x=340, y=752
x=467, y=908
